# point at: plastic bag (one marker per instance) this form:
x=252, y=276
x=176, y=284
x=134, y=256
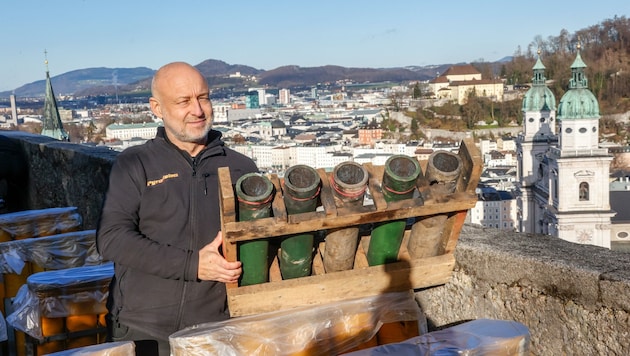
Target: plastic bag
x=314, y=330
x=36, y=223
x=53, y=294
x=120, y=348
x=68, y=250
x=477, y=337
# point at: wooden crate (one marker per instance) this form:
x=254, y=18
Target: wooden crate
x=362, y=280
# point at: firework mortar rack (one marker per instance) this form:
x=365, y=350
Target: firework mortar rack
x=437, y=212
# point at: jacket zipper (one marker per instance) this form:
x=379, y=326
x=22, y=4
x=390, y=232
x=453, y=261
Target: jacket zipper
x=193, y=238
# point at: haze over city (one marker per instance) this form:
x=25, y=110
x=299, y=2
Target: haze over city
x=85, y=34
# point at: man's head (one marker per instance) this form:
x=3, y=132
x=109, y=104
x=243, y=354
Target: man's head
x=181, y=98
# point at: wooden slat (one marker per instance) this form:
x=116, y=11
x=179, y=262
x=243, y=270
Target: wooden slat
x=453, y=228
x=326, y=195
x=374, y=183
x=277, y=205
x=332, y=287
x=472, y=165
x=313, y=221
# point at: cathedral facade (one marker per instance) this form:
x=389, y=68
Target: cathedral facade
x=563, y=174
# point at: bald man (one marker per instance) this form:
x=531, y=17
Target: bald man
x=160, y=218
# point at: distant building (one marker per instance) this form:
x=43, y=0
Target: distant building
x=124, y=132
x=458, y=81
x=368, y=135
x=284, y=96
x=494, y=209
x=251, y=100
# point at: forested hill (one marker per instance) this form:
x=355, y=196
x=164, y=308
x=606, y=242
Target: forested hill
x=605, y=48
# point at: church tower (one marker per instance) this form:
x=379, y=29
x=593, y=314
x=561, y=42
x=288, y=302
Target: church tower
x=51, y=125
x=579, y=169
x=539, y=134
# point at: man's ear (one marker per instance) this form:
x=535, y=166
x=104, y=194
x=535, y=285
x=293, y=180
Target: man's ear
x=155, y=107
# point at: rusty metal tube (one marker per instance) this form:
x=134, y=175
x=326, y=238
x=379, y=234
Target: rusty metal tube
x=349, y=183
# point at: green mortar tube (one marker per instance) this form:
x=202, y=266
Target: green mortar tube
x=301, y=194
x=254, y=194
x=399, y=182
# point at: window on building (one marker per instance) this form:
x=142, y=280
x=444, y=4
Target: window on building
x=584, y=191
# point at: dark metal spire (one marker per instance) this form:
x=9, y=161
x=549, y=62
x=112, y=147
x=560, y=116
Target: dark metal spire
x=51, y=125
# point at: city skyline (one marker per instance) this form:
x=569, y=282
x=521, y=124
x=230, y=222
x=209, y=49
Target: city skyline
x=116, y=34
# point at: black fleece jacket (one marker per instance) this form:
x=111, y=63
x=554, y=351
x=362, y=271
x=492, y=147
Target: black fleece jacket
x=161, y=208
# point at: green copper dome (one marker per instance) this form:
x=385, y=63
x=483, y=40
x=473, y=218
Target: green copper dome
x=578, y=102
x=539, y=97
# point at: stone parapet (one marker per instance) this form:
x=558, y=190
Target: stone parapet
x=573, y=298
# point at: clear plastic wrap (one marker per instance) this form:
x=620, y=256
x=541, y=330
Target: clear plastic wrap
x=61, y=293
x=68, y=250
x=120, y=348
x=477, y=337
x=36, y=223
x=314, y=330
x=3, y=329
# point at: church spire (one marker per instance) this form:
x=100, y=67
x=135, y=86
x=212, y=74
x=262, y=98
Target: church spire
x=578, y=79
x=539, y=72
x=51, y=125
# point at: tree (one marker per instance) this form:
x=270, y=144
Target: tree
x=417, y=93
x=472, y=110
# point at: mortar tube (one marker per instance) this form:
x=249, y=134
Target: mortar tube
x=443, y=171
x=254, y=193
x=301, y=193
x=426, y=236
x=399, y=183
x=349, y=183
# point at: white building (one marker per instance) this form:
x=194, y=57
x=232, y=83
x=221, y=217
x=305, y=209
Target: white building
x=564, y=190
x=494, y=209
x=284, y=96
x=128, y=131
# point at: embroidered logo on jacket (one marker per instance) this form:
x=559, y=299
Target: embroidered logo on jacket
x=161, y=180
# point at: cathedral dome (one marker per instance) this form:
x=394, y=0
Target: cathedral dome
x=577, y=104
x=537, y=97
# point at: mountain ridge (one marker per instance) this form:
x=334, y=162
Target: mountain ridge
x=107, y=81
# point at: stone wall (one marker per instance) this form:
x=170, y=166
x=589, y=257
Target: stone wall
x=64, y=174
x=573, y=298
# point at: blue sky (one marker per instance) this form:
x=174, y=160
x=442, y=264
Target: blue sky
x=81, y=34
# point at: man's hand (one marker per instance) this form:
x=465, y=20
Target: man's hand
x=212, y=265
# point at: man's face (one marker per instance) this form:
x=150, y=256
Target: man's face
x=183, y=103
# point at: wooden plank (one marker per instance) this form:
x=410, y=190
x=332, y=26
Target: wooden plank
x=454, y=226
x=313, y=221
x=227, y=199
x=472, y=165
x=318, y=260
x=277, y=205
x=326, y=195
x=274, y=270
x=329, y=288
x=227, y=212
x=374, y=183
